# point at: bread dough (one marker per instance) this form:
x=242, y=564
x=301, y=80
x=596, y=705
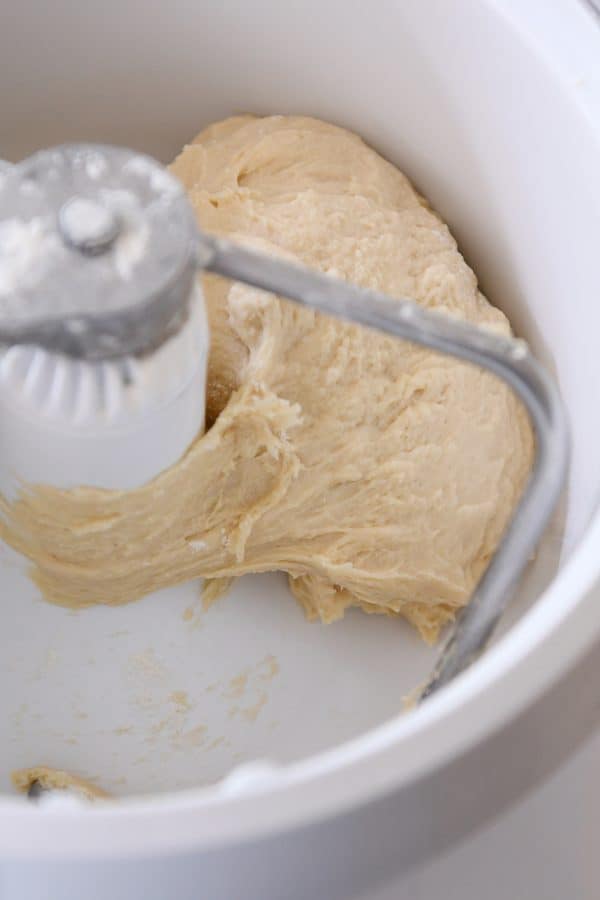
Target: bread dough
x=56, y=779
x=376, y=473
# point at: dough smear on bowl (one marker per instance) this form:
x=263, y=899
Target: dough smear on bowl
x=376, y=473
x=50, y=779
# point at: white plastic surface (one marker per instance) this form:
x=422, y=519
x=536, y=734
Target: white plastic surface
x=118, y=424
x=494, y=111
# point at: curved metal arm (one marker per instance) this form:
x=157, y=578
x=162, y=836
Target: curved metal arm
x=509, y=359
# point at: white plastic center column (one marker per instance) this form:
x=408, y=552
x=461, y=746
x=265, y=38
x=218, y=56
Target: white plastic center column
x=113, y=424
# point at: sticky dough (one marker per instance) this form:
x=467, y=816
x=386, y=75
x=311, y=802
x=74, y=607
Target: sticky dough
x=57, y=780
x=376, y=473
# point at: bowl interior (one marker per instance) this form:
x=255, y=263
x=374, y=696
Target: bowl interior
x=160, y=694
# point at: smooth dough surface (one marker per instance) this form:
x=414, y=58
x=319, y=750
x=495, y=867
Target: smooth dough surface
x=374, y=472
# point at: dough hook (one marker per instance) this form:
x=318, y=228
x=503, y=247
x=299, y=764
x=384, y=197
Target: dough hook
x=97, y=332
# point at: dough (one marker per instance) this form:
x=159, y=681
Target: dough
x=376, y=473
x=56, y=779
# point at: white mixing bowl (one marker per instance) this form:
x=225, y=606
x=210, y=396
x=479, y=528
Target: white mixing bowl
x=492, y=107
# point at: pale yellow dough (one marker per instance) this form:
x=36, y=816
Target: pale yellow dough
x=56, y=779
x=377, y=474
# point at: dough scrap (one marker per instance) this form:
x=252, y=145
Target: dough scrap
x=57, y=779
x=375, y=473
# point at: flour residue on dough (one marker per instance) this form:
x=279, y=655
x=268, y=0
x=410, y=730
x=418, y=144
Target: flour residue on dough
x=375, y=473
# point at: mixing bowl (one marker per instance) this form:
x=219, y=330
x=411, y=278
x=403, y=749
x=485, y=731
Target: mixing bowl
x=255, y=754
